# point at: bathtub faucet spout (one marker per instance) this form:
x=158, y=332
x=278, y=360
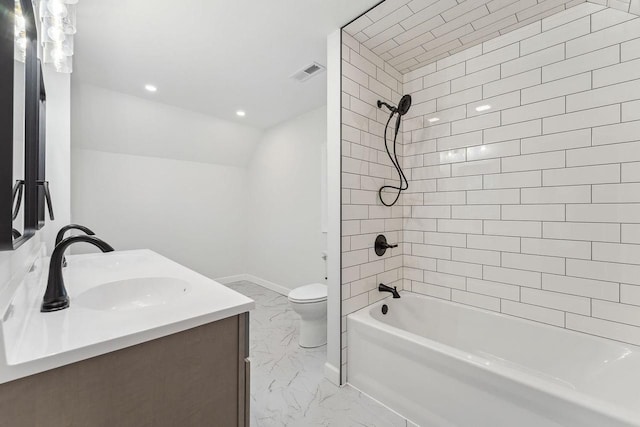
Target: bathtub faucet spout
x=384, y=288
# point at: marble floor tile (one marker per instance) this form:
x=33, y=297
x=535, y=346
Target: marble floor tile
x=288, y=387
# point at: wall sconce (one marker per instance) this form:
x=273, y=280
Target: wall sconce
x=58, y=26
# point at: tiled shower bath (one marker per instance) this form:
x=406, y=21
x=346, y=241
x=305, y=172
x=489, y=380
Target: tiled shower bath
x=529, y=207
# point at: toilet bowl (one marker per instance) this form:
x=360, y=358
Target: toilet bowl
x=310, y=302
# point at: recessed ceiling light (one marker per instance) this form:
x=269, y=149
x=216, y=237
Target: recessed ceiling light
x=150, y=88
x=241, y=113
x=433, y=119
x=483, y=108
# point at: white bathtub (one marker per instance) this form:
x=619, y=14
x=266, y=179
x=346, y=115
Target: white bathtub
x=439, y=363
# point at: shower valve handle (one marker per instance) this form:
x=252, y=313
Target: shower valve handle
x=381, y=245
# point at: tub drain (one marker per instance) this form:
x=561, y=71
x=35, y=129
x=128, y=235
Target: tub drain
x=385, y=308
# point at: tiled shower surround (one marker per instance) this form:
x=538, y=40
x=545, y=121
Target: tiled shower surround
x=530, y=207
x=365, y=168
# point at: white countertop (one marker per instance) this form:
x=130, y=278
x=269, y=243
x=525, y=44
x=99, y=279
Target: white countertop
x=35, y=342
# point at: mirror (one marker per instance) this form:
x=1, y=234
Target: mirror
x=19, y=122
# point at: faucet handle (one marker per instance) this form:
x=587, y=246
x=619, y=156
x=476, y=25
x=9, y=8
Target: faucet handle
x=381, y=245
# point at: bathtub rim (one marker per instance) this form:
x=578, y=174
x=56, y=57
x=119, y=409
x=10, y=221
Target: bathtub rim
x=579, y=398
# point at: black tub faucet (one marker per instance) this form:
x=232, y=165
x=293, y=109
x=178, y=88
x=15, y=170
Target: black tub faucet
x=55, y=297
x=384, y=288
x=66, y=228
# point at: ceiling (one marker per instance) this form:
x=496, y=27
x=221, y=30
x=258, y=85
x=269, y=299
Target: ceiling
x=410, y=34
x=211, y=56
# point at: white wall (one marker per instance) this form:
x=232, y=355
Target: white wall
x=284, y=205
x=110, y=121
x=221, y=198
x=148, y=175
x=190, y=212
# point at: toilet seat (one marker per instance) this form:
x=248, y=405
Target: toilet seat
x=307, y=294
x=310, y=303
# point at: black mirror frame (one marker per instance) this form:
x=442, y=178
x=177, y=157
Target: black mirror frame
x=42, y=145
x=7, y=45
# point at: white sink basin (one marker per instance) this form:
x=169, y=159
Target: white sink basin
x=118, y=299
x=133, y=294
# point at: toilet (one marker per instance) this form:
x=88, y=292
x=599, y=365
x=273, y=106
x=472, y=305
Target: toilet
x=310, y=302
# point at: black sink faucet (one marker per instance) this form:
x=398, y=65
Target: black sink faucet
x=66, y=228
x=385, y=288
x=55, y=297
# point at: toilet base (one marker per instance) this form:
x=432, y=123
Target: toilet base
x=313, y=333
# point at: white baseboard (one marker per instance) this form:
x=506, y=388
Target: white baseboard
x=267, y=284
x=254, y=279
x=332, y=373
x=231, y=279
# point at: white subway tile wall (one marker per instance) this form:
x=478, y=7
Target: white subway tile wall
x=365, y=168
x=530, y=206
x=522, y=150
x=438, y=34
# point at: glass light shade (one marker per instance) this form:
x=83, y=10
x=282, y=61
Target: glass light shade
x=55, y=34
x=55, y=55
x=68, y=28
x=54, y=49
x=69, y=21
x=57, y=8
x=58, y=28
x=67, y=46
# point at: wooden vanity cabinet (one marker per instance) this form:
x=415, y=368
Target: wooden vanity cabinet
x=195, y=378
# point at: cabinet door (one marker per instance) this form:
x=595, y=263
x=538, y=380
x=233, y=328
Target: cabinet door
x=186, y=379
x=244, y=371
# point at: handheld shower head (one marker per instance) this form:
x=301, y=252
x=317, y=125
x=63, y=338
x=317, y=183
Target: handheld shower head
x=404, y=105
x=402, y=108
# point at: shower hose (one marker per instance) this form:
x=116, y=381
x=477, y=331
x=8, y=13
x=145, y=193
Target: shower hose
x=404, y=184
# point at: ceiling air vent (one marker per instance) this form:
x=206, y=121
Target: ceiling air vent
x=307, y=72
